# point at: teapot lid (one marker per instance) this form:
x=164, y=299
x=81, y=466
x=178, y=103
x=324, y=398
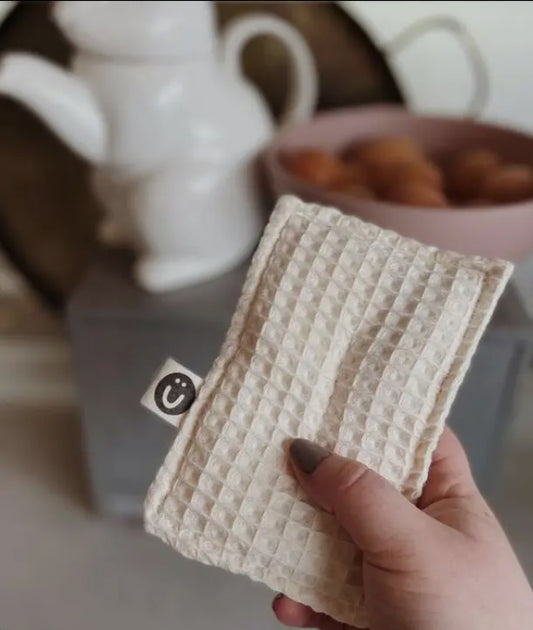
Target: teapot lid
x=139, y=29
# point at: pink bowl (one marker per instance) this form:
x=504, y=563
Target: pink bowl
x=503, y=231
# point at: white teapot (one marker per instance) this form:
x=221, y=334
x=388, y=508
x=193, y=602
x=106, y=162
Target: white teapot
x=161, y=109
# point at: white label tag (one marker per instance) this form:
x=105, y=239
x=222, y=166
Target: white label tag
x=172, y=392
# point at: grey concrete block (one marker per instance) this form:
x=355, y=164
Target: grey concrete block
x=121, y=336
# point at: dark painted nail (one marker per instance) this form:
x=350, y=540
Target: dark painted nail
x=278, y=597
x=307, y=455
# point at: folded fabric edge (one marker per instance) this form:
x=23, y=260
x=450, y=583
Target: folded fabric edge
x=162, y=484
x=500, y=273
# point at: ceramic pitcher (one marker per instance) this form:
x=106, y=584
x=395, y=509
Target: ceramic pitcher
x=157, y=103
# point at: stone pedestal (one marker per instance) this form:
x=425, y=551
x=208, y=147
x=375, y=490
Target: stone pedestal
x=121, y=336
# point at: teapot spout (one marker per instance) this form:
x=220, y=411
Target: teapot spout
x=59, y=98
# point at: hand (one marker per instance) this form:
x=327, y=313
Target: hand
x=444, y=564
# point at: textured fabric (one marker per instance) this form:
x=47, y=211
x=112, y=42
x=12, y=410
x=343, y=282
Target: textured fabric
x=345, y=334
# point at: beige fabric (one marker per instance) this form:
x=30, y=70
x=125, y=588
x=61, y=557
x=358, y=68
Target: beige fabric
x=346, y=334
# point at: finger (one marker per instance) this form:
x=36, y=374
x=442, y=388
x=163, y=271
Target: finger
x=449, y=476
x=298, y=615
x=377, y=517
x=292, y=613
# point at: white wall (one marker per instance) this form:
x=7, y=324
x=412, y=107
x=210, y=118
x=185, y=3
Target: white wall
x=433, y=69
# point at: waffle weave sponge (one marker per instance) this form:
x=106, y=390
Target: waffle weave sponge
x=345, y=334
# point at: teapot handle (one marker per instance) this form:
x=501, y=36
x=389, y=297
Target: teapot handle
x=473, y=54
x=303, y=88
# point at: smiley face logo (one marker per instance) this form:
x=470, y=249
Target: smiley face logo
x=174, y=393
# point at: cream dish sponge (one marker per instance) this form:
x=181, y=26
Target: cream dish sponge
x=345, y=334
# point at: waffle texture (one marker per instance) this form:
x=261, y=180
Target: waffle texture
x=346, y=334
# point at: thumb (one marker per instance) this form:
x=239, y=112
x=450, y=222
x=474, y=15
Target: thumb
x=377, y=517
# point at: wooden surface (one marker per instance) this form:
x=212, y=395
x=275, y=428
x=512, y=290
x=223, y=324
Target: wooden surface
x=47, y=214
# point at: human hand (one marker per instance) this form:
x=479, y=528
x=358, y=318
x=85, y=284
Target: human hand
x=444, y=564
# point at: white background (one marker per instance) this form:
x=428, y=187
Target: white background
x=433, y=69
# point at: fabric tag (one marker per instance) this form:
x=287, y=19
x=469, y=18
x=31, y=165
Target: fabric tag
x=172, y=392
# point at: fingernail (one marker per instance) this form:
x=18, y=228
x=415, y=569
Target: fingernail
x=278, y=597
x=307, y=455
